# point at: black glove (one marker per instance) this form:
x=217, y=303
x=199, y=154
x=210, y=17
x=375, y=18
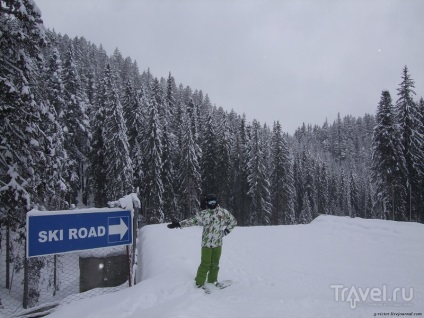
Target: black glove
x=226, y=231
x=174, y=225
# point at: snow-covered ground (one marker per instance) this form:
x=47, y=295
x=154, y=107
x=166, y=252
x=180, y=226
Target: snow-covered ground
x=318, y=270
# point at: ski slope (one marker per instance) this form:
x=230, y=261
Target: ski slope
x=333, y=267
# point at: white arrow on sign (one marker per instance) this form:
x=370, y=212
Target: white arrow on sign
x=120, y=229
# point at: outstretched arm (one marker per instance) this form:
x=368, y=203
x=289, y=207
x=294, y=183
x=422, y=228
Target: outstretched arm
x=195, y=220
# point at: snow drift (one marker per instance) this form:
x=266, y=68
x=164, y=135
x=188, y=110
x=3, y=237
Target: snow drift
x=333, y=267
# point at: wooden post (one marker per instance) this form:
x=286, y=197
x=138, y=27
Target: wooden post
x=55, y=275
x=129, y=266
x=7, y=256
x=26, y=282
x=393, y=201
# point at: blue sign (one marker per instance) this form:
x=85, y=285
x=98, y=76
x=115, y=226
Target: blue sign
x=67, y=231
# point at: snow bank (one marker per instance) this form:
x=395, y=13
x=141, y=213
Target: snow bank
x=279, y=271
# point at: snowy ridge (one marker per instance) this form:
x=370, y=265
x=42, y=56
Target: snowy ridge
x=277, y=271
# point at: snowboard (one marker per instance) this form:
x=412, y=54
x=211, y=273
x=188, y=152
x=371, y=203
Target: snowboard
x=220, y=285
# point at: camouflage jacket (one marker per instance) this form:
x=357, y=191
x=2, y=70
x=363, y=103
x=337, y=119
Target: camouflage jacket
x=214, y=222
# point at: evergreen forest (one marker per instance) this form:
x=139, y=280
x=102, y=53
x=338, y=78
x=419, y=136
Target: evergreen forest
x=79, y=127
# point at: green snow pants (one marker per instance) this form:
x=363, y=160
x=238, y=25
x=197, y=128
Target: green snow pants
x=209, y=265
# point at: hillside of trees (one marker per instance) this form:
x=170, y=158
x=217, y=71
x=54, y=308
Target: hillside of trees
x=79, y=127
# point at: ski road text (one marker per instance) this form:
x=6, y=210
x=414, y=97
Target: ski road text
x=72, y=234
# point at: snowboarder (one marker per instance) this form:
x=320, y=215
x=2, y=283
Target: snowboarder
x=217, y=222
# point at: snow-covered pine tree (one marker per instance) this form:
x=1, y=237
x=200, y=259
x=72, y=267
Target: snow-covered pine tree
x=308, y=164
x=409, y=120
x=117, y=63
x=325, y=137
x=97, y=168
x=23, y=141
x=56, y=186
x=389, y=167
x=241, y=201
x=305, y=216
x=194, y=125
x=77, y=130
x=179, y=120
x=323, y=196
x=298, y=183
x=353, y=193
x=421, y=190
x=140, y=141
x=223, y=156
x=171, y=106
x=127, y=73
x=339, y=140
x=259, y=186
x=133, y=116
x=53, y=76
x=80, y=46
x=167, y=177
x=343, y=194
x=333, y=207
x=282, y=191
x=117, y=160
x=189, y=176
x=209, y=161
x=153, y=187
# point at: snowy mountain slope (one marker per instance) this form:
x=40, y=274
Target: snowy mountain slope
x=318, y=270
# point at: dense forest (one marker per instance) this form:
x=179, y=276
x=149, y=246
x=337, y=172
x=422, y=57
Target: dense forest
x=80, y=128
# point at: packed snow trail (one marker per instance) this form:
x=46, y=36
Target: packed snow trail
x=277, y=271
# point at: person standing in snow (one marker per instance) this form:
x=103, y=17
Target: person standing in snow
x=217, y=222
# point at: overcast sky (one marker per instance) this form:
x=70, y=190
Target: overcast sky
x=292, y=61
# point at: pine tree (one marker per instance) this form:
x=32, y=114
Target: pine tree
x=305, y=216
x=309, y=182
x=354, y=195
x=117, y=160
x=140, y=140
x=282, y=191
x=421, y=190
x=167, y=177
x=339, y=141
x=97, y=167
x=153, y=187
x=24, y=138
x=174, y=119
x=387, y=159
x=189, y=176
x=298, y=182
x=54, y=80
x=21, y=133
x=333, y=206
x=54, y=188
x=223, y=155
x=323, y=195
x=132, y=113
x=209, y=161
x=343, y=195
x=325, y=136
x=259, y=186
x=409, y=120
x=77, y=130
x=241, y=201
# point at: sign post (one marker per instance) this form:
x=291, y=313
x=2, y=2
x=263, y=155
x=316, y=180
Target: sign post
x=58, y=232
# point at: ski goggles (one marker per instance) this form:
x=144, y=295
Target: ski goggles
x=211, y=202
